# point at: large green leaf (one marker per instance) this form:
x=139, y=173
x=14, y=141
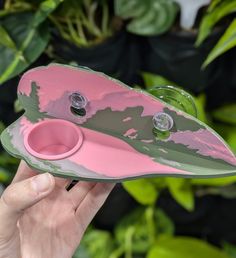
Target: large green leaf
x=225, y=43
x=150, y=17
x=30, y=43
x=143, y=190
x=184, y=247
x=181, y=190
x=24, y=36
x=221, y=10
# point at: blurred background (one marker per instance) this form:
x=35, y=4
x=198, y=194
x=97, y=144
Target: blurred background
x=185, y=43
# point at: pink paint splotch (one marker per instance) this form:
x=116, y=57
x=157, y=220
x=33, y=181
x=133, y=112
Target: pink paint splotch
x=206, y=144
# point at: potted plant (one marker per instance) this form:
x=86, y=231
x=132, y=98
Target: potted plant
x=88, y=34
x=176, y=52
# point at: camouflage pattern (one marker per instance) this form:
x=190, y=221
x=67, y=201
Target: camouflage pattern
x=116, y=113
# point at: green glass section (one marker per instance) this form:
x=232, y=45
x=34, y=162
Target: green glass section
x=176, y=97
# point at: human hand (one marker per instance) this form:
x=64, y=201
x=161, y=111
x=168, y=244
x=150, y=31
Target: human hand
x=39, y=218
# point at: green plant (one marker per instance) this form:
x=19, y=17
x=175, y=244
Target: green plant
x=24, y=35
x=84, y=22
x=151, y=17
x=217, y=10
x=145, y=232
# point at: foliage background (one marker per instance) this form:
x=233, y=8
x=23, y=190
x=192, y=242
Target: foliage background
x=86, y=32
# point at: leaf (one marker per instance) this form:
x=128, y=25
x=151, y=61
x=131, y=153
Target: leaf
x=142, y=190
x=81, y=251
x=45, y=8
x=214, y=181
x=184, y=247
x=182, y=192
x=211, y=18
x=7, y=160
x=146, y=224
x=228, y=132
x=30, y=43
x=231, y=139
x=213, y=4
x=29, y=36
x=230, y=250
x=200, y=103
x=225, y=43
x=150, y=17
x=6, y=40
x=226, y=114
x=136, y=223
x=95, y=244
x=164, y=224
x=132, y=8
x=152, y=80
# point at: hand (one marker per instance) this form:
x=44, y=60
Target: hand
x=39, y=218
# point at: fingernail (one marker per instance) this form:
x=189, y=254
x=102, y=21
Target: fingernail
x=42, y=183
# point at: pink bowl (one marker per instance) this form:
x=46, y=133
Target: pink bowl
x=53, y=139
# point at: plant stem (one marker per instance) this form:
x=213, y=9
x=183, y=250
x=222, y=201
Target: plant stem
x=80, y=29
x=105, y=19
x=149, y=214
x=128, y=242
x=117, y=253
x=73, y=33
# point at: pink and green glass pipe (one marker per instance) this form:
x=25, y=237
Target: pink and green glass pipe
x=86, y=125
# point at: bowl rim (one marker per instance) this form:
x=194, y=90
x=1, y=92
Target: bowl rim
x=60, y=122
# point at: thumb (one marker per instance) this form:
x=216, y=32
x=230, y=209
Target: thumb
x=20, y=196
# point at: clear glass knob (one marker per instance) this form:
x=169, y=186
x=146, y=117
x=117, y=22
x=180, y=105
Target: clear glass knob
x=162, y=122
x=78, y=101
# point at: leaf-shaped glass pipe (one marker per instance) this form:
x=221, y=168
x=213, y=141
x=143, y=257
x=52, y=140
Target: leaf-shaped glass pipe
x=112, y=137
